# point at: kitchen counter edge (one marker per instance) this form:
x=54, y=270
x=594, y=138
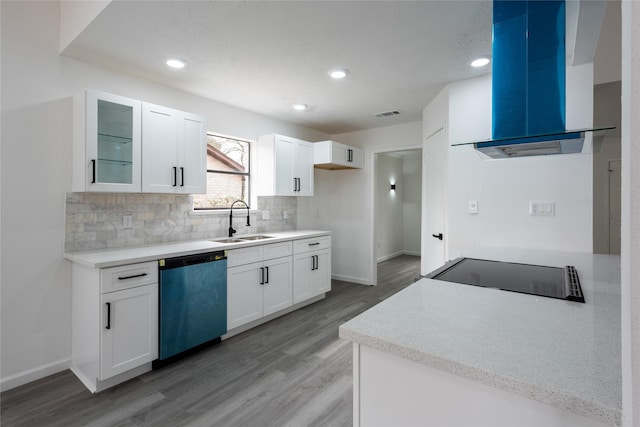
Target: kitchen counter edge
x=104, y=258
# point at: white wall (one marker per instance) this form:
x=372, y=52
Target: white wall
x=503, y=188
x=412, y=203
x=607, y=147
x=37, y=86
x=388, y=217
x=346, y=196
x=630, y=251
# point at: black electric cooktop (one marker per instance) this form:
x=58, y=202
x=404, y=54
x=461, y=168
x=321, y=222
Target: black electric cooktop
x=552, y=282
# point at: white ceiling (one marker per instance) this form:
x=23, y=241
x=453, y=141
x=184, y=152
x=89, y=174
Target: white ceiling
x=264, y=56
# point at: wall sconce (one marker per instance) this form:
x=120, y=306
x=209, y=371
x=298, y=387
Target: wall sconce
x=393, y=187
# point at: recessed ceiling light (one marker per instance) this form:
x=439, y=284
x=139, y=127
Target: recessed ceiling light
x=338, y=73
x=480, y=62
x=176, y=63
x=299, y=107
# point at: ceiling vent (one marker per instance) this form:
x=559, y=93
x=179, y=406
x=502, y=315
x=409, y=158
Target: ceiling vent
x=387, y=113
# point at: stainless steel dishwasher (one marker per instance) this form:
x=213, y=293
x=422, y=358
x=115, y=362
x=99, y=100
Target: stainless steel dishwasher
x=193, y=304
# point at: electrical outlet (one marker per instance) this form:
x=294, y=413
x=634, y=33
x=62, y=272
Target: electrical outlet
x=265, y=214
x=473, y=207
x=127, y=221
x=285, y=214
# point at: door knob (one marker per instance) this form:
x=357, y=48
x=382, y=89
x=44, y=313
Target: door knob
x=437, y=236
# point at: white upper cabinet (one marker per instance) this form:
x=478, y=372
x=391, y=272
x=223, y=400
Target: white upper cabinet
x=125, y=145
x=174, y=151
x=334, y=155
x=285, y=166
x=106, y=143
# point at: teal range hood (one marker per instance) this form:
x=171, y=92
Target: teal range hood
x=528, y=82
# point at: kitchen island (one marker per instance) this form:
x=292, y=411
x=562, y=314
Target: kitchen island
x=441, y=353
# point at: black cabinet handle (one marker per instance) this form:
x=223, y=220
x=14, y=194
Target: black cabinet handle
x=181, y=177
x=313, y=263
x=262, y=275
x=93, y=171
x=175, y=176
x=437, y=236
x=267, y=275
x=317, y=262
x=132, y=277
x=349, y=155
x=314, y=244
x=108, y=316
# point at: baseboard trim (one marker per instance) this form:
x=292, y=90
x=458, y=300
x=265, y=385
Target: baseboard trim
x=24, y=377
x=390, y=256
x=351, y=279
x=411, y=253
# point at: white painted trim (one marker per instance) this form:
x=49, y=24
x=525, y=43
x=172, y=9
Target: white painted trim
x=412, y=253
x=39, y=372
x=372, y=204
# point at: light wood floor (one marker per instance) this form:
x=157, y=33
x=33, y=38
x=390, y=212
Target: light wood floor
x=292, y=371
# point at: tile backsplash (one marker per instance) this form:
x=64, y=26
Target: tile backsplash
x=96, y=220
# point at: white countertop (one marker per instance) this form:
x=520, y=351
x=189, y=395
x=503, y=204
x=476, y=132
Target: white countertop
x=558, y=352
x=114, y=257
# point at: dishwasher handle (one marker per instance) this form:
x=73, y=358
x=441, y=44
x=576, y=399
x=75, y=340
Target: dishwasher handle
x=192, y=260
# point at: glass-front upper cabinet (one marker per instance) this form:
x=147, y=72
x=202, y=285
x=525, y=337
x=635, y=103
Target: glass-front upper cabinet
x=111, y=132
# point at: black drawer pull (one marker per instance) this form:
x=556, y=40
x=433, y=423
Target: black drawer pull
x=267, y=270
x=262, y=275
x=314, y=244
x=132, y=277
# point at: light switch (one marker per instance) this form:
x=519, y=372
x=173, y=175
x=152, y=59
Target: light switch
x=542, y=208
x=127, y=221
x=265, y=214
x=473, y=207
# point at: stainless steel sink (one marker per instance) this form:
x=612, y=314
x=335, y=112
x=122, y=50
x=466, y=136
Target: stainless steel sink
x=261, y=237
x=229, y=240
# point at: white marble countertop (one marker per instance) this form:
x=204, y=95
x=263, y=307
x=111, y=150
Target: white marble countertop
x=121, y=256
x=558, y=352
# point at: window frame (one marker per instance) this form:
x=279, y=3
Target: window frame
x=247, y=173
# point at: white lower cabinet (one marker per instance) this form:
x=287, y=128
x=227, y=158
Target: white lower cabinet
x=114, y=323
x=311, y=268
x=129, y=335
x=257, y=283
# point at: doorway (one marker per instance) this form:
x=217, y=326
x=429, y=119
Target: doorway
x=397, y=205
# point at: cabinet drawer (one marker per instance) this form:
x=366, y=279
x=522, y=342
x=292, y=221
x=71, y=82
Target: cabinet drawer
x=312, y=244
x=128, y=276
x=277, y=250
x=244, y=256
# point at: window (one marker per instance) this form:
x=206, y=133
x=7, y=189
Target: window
x=227, y=173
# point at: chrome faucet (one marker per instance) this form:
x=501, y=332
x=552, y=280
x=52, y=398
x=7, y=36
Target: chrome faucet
x=231, y=230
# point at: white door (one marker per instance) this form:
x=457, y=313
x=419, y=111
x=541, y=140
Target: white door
x=278, y=293
x=322, y=273
x=303, y=168
x=614, y=206
x=192, y=155
x=159, y=149
x=434, y=208
x=129, y=329
x=283, y=167
x=302, y=277
x=244, y=294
